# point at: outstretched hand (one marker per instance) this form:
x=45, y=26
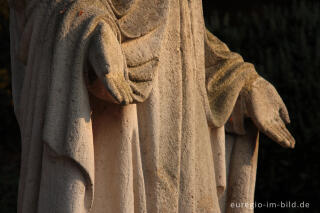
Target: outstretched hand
x=267, y=110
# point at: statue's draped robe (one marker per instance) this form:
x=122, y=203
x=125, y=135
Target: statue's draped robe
x=165, y=152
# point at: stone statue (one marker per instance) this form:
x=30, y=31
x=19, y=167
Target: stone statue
x=132, y=106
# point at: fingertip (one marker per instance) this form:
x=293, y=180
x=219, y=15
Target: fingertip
x=288, y=121
x=293, y=144
x=292, y=141
x=286, y=145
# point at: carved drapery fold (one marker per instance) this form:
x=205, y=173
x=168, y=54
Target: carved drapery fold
x=226, y=75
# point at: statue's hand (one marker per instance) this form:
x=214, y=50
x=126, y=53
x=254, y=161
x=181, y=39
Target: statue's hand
x=119, y=87
x=108, y=62
x=267, y=110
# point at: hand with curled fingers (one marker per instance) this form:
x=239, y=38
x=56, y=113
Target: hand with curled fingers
x=108, y=62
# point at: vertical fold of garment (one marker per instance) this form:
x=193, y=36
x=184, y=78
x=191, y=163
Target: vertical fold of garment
x=54, y=110
x=167, y=152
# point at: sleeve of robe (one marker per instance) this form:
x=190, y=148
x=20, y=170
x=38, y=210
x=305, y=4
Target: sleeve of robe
x=235, y=155
x=226, y=75
x=120, y=49
x=111, y=77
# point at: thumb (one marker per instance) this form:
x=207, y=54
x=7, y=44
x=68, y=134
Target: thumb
x=284, y=114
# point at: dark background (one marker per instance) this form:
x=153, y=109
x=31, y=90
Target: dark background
x=282, y=39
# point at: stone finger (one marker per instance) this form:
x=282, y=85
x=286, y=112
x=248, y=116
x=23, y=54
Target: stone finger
x=284, y=114
x=289, y=136
x=283, y=139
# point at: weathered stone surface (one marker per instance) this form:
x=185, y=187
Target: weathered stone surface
x=123, y=106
